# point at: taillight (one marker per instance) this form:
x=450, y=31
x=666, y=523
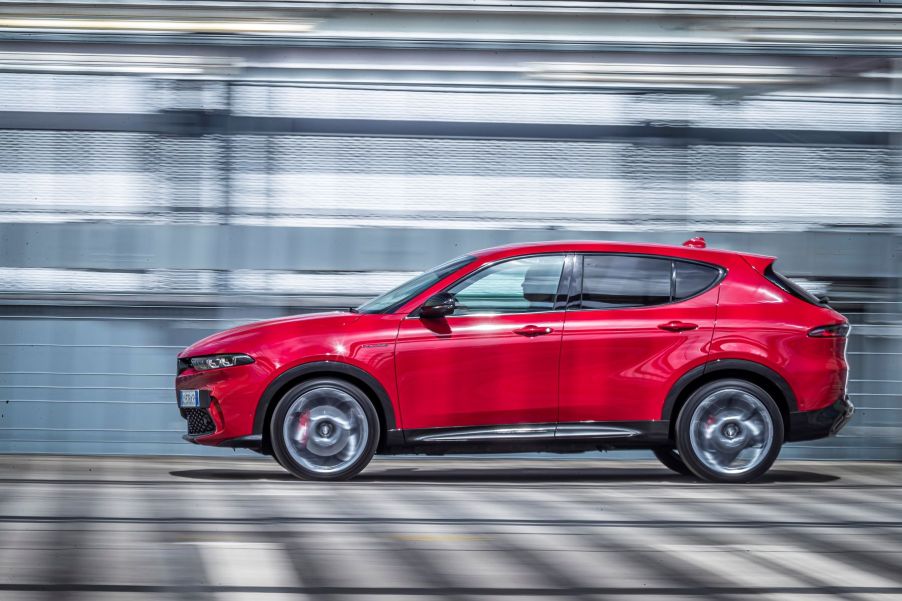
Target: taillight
x=837, y=330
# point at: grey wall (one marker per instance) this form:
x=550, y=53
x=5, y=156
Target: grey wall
x=140, y=212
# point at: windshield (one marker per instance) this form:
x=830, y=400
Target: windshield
x=393, y=299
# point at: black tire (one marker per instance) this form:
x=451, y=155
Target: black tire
x=276, y=459
x=291, y=454
x=709, y=457
x=671, y=460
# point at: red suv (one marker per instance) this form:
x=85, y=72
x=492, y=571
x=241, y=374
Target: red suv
x=709, y=358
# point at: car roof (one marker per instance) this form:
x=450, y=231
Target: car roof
x=587, y=246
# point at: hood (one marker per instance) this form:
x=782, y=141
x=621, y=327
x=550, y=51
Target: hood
x=242, y=338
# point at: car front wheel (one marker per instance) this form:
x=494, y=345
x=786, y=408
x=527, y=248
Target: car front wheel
x=324, y=429
x=729, y=431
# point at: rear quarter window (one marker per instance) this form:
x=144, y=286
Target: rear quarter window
x=692, y=278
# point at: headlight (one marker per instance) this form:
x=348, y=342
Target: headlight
x=218, y=361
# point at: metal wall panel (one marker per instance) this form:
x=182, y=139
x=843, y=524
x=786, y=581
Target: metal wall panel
x=169, y=209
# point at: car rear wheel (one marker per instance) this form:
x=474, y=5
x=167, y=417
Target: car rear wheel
x=324, y=429
x=729, y=431
x=671, y=460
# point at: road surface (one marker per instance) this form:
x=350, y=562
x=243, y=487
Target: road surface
x=79, y=528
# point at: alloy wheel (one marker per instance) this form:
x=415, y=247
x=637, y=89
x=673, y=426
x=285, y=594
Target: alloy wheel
x=731, y=431
x=325, y=430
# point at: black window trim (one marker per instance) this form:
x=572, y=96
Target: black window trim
x=574, y=301
x=559, y=302
x=673, y=270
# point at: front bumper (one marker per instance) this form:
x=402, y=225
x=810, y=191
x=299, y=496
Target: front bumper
x=811, y=425
x=253, y=442
x=228, y=404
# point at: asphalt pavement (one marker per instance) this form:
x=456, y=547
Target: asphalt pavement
x=91, y=528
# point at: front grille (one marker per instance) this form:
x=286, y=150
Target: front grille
x=182, y=365
x=199, y=421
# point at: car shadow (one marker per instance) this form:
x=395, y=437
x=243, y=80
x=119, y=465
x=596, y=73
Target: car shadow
x=221, y=474
x=513, y=475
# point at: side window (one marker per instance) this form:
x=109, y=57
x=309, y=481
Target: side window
x=692, y=278
x=517, y=286
x=619, y=281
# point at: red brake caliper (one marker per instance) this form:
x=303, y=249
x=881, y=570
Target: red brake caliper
x=303, y=420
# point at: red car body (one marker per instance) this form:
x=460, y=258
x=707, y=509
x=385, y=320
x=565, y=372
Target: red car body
x=565, y=379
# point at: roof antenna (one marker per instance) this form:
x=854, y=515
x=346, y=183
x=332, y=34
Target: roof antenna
x=697, y=242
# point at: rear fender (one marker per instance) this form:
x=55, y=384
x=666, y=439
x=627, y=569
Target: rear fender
x=725, y=366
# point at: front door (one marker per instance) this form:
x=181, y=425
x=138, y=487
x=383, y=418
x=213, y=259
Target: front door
x=636, y=325
x=494, y=360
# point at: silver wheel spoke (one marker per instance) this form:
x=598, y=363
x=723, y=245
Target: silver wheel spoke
x=756, y=430
x=731, y=431
x=325, y=430
x=726, y=458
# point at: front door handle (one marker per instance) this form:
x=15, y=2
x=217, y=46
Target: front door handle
x=678, y=326
x=531, y=331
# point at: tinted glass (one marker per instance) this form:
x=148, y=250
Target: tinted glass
x=516, y=286
x=611, y=281
x=791, y=287
x=692, y=278
x=393, y=299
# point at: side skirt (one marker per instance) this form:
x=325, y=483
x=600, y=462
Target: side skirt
x=531, y=438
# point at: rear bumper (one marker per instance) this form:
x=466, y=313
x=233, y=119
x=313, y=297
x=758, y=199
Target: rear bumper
x=810, y=425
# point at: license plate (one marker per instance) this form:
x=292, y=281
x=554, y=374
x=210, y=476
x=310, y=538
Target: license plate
x=189, y=398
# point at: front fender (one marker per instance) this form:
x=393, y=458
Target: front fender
x=323, y=368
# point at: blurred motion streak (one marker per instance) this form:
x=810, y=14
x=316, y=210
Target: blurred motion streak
x=171, y=170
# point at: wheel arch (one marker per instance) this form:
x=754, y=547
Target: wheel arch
x=756, y=373
x=350, y=373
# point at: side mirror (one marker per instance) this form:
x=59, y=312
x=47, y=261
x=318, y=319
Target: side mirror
x=438, y=305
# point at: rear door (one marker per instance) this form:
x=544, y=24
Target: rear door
x=634, y=324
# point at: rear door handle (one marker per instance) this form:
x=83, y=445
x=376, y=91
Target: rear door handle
x=677, y=326
x=531, y=331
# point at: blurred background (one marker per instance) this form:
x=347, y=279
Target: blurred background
x=174, y=169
